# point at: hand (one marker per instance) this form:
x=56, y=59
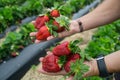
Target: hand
x=93, y=69
x=62, y=72
x=74, y=28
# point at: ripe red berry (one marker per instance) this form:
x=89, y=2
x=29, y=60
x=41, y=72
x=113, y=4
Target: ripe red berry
x=55, y=13
x=43, y=33
x=60, y=28
x=40, y=21
x=14, y=54
x=72, y=58
x=46, y=18
x=61, y=49
x=50, y=63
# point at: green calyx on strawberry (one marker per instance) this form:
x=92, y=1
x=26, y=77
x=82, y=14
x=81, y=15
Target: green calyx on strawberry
x=43, y=33
x=75, y=65
x=55, y=13
x=51, y=63
x=63, y=21
x=72, y=58
x=78, y=68
x=59, y=28
x=40, y=21
x=66, y=48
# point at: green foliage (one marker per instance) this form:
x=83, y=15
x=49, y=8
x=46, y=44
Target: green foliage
x=14, y=40
x=79, y=69
x=105, y=40
x=12, y=11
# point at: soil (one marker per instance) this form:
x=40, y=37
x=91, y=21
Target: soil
x=33, y=74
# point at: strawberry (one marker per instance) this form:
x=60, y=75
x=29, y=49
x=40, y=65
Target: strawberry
x=60, y=29
x=61, y=49
x=46, y=18
x=40, y=21
x=66, y=48
x=43, y=33
x=55, y=13
x=14, y=54
x=21, y=47
x=71, y=58
x=50, y=63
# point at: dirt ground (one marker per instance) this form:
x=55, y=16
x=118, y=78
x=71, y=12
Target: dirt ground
x=33, y=74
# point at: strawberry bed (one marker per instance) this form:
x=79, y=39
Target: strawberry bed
x=13, y=42
x=21, y=38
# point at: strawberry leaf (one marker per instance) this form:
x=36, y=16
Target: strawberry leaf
x=55, y=34
x=63, y=21
x=78, y=68
x=85, y=56
x=62, y=59
x=74, y=46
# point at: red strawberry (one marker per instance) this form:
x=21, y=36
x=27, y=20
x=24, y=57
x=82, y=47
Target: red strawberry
x=71, y=58
x=14, y=54
x=50, y=63
x=55, y=13
x=60, y=29
x=66, y=48
x=43, y=33
x=40, y=21
x=61, y=49
x=46, y=18
x=21, y=47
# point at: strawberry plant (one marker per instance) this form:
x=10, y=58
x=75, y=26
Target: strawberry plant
x=105, y=40
x=22, y=9
x=16, y=41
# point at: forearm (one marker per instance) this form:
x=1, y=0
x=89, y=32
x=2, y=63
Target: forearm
x=113, y=62
x=105, y=13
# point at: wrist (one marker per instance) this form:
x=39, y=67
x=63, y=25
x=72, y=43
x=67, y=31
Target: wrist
x=93, y=69
x=103, y=70
x=80, y=26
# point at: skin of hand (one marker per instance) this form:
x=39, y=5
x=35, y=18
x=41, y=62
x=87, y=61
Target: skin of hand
x=73, y=28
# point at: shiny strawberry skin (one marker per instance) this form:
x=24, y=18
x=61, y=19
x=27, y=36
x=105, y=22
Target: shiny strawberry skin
x=40, y=21
x=50, y=63
x=46, y=18
x=72, y=58
x=43, y=33
x=62, y=49
x=55, y=13
x=60, y=29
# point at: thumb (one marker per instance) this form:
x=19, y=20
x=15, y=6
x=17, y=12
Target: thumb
x=70, y=78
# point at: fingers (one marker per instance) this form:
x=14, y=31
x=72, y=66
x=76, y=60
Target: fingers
x=50, y=37
x=70, y=78
x=63, y=34
x=49, y=53
x=53, y=74
x=41, y=58
x=33, y=22
x=37, y=41
x=33, y=33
